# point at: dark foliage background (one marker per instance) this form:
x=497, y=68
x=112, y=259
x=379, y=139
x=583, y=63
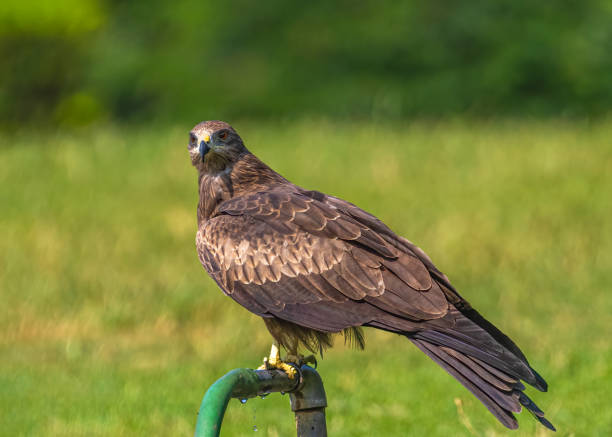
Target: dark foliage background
x=77, y=61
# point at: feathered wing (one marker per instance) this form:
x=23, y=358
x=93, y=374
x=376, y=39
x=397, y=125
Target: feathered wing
x=322, y=263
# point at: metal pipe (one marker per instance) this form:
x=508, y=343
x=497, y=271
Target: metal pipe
x=309, y=402
x=306, y=394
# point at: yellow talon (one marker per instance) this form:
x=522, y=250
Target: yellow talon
x=288, y=369
x=274, y=362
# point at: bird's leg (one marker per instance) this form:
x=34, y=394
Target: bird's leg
x=274, y=362
x=294, y=357
x=299, y=359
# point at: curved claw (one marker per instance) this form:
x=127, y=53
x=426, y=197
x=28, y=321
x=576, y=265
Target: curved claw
x=274, y=362
x=310, y=359
x=290, y=369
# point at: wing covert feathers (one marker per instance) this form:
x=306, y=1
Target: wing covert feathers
x=259, y=243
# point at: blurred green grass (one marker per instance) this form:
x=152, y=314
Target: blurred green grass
x=109, y=326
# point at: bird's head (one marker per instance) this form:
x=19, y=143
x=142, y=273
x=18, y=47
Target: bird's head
x=214, y=145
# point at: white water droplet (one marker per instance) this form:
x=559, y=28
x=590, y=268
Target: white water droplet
x=243, y=401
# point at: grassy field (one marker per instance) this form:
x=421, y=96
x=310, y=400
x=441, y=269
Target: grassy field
x=110, y=327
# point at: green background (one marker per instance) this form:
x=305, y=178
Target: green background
x=479, y=130
x=109, y=325
x=76, y=61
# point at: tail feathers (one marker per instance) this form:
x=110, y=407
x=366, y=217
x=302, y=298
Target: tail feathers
x=478, y=341
x=475, y=317
x=535, y=411
x=502, y=338
x=498, y=374
x=499, y=391
x=496, y=357
x=443, y=359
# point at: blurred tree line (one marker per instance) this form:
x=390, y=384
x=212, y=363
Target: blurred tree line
x=77, y=61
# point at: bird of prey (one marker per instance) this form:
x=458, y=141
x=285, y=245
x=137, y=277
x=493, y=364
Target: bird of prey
x=313, y=265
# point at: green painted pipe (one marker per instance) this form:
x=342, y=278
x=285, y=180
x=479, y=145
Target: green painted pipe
x=241, y=384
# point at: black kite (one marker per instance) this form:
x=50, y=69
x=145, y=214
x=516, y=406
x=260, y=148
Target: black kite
x=313, y=265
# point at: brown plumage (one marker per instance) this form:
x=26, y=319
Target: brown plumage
x=313, y=265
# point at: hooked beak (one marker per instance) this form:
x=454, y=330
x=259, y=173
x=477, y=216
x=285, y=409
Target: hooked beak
x=204, y=146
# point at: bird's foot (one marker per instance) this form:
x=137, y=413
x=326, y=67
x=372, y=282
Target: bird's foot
x=300, y=360
x=274, y=362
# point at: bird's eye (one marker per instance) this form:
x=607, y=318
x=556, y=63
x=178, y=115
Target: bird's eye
x=192, y=139
x=223, y=135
